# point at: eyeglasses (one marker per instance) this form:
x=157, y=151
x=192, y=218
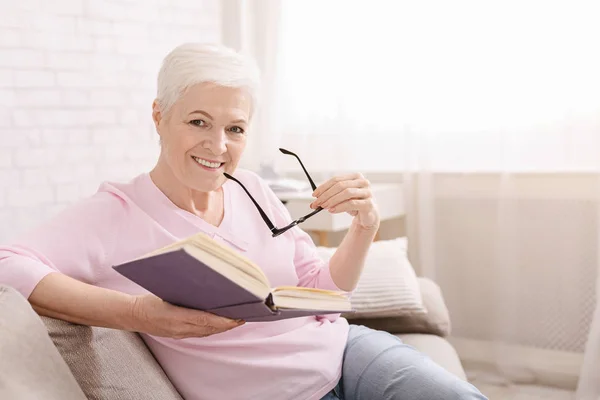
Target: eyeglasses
x=278, y=231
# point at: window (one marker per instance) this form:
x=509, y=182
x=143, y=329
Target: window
x=463, y=85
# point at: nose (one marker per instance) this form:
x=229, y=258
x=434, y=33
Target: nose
x=217, y=142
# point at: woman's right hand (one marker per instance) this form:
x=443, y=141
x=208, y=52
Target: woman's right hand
x=156, y=317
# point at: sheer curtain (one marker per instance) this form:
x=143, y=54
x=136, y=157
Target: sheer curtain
x=589, y=382
x=491, y=112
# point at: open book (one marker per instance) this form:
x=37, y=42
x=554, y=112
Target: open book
x=201, y=273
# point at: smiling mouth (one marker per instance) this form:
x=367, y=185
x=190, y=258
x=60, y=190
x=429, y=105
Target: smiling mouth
x=208, y=164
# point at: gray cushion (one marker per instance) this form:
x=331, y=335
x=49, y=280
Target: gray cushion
x=30, y=366
x=110, y=364
x=436, y=321
x=388, y=286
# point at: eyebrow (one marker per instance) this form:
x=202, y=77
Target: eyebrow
x=207, y=115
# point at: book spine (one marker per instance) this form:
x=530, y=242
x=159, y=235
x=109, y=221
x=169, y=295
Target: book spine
x=270, y=303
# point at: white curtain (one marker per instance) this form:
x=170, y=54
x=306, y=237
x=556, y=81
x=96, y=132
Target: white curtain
x=589, y=382
x=491, y=111
x=588, y=387
x=253, y=27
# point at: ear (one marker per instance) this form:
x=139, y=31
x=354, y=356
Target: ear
x=156, y=114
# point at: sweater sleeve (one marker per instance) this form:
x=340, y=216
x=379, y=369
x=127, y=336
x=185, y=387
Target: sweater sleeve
x=75, y=242
x=311, y=269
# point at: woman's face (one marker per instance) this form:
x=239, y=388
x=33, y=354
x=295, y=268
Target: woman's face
x=204, y=134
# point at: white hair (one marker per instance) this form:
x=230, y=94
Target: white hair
x=193, y=63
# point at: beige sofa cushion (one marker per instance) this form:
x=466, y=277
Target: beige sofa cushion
x=436, y=321
x=438, y=349
x=30, y=366
x=110, y=364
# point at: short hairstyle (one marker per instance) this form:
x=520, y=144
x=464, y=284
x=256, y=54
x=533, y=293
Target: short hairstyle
x=193, y=63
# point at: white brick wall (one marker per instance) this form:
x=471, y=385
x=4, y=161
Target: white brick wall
x=77, y=79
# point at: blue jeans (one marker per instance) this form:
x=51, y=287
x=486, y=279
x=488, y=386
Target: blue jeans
x=378, y=366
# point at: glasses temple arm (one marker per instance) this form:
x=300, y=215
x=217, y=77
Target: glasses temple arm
x=312, y=184
x=260, y=210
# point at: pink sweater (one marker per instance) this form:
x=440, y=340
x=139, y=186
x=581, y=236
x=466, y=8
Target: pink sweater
x=298, y=358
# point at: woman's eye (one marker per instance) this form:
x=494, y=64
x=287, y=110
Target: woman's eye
x=236, y=129
x=198, y=122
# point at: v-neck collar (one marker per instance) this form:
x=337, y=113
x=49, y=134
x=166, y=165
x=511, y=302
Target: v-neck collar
x=224, y=230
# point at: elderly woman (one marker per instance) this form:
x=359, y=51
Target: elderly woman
x=203, y=112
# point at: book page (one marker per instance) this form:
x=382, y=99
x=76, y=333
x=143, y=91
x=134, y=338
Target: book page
x=211, y=246
x=305, y=292
x=310, y=299
x=243, y=280
x=230, y=256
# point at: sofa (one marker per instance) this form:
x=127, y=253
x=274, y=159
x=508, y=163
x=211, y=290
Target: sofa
x=46, y=358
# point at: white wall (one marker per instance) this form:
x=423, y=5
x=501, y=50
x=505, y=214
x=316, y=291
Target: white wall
x=77, y=79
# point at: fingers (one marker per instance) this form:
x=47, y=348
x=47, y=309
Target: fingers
x=226, y=323
x=353, y=206
x=159, y=318
x=191, y=331
x=344, y=195
x=339, y=189
x=207, y=319
x=338, y=179
x=197, y=323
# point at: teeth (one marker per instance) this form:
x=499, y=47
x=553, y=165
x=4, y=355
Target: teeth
x=206, y=163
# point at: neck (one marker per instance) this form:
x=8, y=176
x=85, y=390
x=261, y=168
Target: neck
x=202, y=204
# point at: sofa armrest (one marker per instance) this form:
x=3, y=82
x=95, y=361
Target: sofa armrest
x=30, y=365
x=438, y=349
x=110, y=363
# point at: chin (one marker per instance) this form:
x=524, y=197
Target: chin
x=205, y=184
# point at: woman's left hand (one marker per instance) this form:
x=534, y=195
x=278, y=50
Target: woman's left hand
x=351, y=194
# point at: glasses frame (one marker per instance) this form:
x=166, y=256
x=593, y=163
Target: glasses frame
x=275, y=230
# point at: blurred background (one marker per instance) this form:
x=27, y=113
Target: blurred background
x=486, y=115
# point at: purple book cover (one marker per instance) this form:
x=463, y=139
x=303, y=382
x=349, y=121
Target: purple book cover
x=182, y=280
